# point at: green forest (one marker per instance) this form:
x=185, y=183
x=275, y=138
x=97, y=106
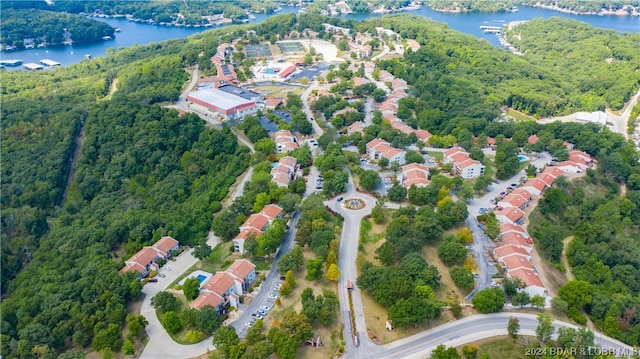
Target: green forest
x=144, y=171
x=48, y=27
x=578, y=6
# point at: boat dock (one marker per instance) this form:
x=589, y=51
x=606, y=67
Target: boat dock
x=491, y=29
x=33, y=66
x=49, y=63
x=11, y=63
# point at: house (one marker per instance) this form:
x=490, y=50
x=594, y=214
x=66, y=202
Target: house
x=530, y=279
x=546, y=178
x=510, y=215
x=533, y=139
x=281, y=179
x=507, y=228
x=359, y=81
x=257, y=220
x=404, y=128
x=568, y=167
x=272, y=212
x=523, y=193
x=413, y=45
x=285, y=141
x=463, y=165
x=238, y=242
x=516, y=262
x=337, y=29
x=514, y=200
x=510, y=250
x=385, y=76
x=399, y=84
x=378, y=148
x=423, y=135
x=448, y=154
x=284, y=171
x=362, y=39
x=415, y=174
x=554, y=172
x=273, y=102
x=145, y=259
x=357, y=126
x=365, y=52
x=244, y=270
x=534, y=186
x=580, y=158
x=518, y=240
x=224, y=289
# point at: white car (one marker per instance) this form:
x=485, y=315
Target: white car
x=265, y=308
x=277, y=287
x=248, y=324
x=273, y=296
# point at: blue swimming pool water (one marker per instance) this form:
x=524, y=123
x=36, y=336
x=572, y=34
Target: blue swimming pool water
x=201, y=278
x=522, y=158
x=270, y=71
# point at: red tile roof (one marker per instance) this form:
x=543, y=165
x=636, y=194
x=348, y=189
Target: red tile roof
x=165, y=244
x=145, y=256
x=513, y=200
x=553, y=171
x=513, y=214
x=272, y=211
x=257, y=221
x=219, y=283
x=524, y=193
x=286, y=72
x=206, y=298
x=515, y=262
x=508, y=227
x=515, y=239
x=454, y=150
x=468, y=163
x=532, y=139
x=273, y=101
x=245, y=232
x=282, y=178
x=423, y=134
x=241, y=268
x=527, y=276
x=535, y=183
x=546, y=178
x=288, y=161
x=510, y=250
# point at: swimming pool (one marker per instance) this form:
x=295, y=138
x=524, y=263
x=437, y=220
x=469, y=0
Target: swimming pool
x=201, y=278
x=522, y=158
x=270, y=71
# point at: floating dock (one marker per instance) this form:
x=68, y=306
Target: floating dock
x=11, y=63
x=491, y=29
x=33, y=66
x=49, y=63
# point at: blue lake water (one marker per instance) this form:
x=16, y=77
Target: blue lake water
x=138, y=33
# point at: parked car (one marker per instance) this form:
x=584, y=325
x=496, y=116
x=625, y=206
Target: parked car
x=262, y=312
x=340, y=199
x=265, y=308
x=277, y=287
x=514, y=185
x=273, y=296
x=152, y=280
x=248, y=324
x=492, y=201
x=496, y=181
x=161, y=275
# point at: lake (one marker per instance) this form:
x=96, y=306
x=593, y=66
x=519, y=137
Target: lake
x=138, y=33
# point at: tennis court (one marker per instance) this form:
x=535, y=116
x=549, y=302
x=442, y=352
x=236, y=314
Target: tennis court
x=260, y=50
x=294, y=46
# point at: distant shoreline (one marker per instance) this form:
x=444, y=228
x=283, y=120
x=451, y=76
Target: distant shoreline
x=546, y=7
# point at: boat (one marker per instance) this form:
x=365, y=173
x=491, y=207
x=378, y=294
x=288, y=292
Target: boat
x=87, y=56
x=117, y=29
x=514, y=9
x=278, y=9
x=252, y=17
x=106, y=38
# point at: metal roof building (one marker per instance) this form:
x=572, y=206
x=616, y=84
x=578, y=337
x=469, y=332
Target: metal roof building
x=224, y=104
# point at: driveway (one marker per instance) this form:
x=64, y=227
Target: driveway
x=305, y=108
x=481, y=242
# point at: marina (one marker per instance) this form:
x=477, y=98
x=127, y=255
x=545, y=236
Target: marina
x=33, y=66
x=11, y=63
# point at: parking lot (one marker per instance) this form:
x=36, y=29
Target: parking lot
x=309, y=72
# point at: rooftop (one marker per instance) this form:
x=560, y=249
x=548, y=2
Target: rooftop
x=239, y=91
x=220, y=99
x=241, y=268
x=527, y=276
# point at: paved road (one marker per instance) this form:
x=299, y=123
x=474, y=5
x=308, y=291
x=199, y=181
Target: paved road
x=471, y=329
x=348, y=271
x=622, y=120
x=305, y=107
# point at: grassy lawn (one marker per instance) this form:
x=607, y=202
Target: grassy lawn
x=330, y=336
x=488, y=166
x=280, y=91
x=519, y=116
x=503, y=347
x=436, y=154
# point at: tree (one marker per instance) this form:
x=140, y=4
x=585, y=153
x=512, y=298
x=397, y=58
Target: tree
x=135, y=324
x=333, y=273
x=414, y=157
x=290, y=278
x=314, y=269
x=369, y=179
x=164, y=302
x=559, y=306
x=128, y=347
x=171, y=322
x=521, y=298
x=383, y=162
x=463, y=278
x=442, y=352
x=297, y=327
x=191, y=288
x=286, y=289
x=397, y=193
x=513, y=327
x=225, y=339
x=202, y=251
x=291, y=261
x=470, y=351
x=489, y=300
x=377, y=213
x=545, y=328
x=576, y=293
x=452, y=252
x=538, y=301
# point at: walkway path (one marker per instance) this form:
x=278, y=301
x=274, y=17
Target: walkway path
x=565, y=261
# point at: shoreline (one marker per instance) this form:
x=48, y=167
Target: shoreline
x=603, y=12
